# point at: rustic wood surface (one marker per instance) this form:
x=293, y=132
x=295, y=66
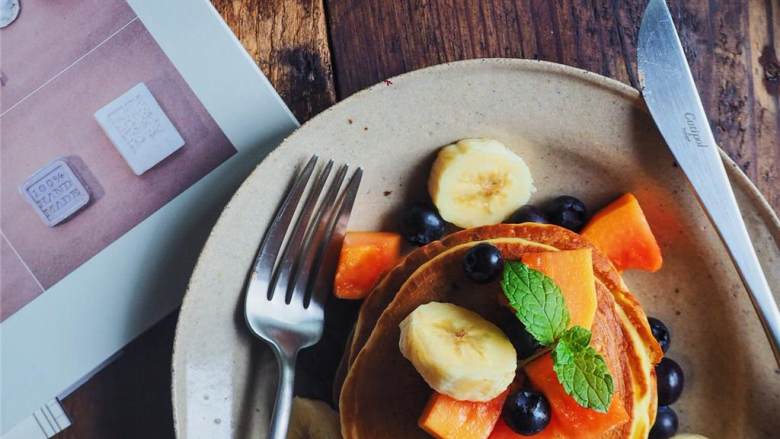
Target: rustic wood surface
x=318, y=51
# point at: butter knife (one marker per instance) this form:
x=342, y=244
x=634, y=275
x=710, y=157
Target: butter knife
x=674, y=103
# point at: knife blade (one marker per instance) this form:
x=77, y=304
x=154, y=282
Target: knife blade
x=673, y=100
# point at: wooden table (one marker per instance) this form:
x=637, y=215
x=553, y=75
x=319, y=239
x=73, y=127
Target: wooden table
x=318, y=52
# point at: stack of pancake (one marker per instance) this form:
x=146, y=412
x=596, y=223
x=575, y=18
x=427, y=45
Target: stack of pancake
x=380, y=393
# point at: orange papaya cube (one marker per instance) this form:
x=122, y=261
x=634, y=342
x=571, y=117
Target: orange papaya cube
x=572, y=271
x=621, y=231
x=448, y=418
x=575, y=420
x=365, y=258
x=552, y=431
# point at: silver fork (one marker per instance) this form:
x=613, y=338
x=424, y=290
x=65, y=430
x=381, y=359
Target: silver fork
x=286, y=295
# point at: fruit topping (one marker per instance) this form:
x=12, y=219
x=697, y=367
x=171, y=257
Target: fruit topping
x=420, y=224
x=539, y=304
x=483, y=263
x=457, y=352
x=665, y=424
x=448, y=418
x=670, y=379
x=621, y=231
x=574, y=419
x=526, y=412
x=477, y=182
x=567, y=212
x=365, y=258
x=536, y=300
x=572, y=272
x=529, y=214
x=660, y=332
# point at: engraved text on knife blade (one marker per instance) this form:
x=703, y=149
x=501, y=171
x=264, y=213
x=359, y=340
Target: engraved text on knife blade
x=691, y=132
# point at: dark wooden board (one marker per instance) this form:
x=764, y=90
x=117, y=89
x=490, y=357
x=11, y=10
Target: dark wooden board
x=288, y=40
x=731, y=45
x=318, y=51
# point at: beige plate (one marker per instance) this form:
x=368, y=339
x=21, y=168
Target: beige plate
x=581, y=134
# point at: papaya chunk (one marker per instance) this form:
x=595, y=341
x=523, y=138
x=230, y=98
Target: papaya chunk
x=448, y=418
x=574, y=420
x=621, y=231
x=572, y=271
x=365, y=258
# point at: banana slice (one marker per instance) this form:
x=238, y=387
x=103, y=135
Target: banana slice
x=457, y=352
x=312, y=419
x=477, y=182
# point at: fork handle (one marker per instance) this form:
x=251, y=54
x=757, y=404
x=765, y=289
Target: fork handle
x=280, y=420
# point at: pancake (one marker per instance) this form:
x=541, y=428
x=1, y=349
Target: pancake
x=383, y=395
x=377, y=301
x=554, y=236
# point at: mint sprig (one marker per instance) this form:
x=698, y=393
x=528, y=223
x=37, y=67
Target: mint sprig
x=582, y=372
x=537, y=302
x=540, y=306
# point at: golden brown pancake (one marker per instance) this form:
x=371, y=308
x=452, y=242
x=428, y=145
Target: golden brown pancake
x=383, y=395
x=554, y=236
x=377, y=301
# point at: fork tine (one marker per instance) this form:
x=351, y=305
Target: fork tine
x=316, y=235
x=290, y=328
x=274, y=236
x=292, y=251
x=330, y=248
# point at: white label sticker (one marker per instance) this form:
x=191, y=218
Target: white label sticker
x=139, y=129
x=55, y=192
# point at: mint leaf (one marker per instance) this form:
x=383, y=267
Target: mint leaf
x=582, y=372
x=537, y=302
x=576, y=337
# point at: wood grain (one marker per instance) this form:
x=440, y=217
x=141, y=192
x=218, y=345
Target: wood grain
x=130, y=398
x=764, y=37
x=731, y=45
x=288, y=40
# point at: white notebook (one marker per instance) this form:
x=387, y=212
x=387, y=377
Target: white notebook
x=119, y=149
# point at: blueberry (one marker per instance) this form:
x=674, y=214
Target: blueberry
x=526, y=412
x=670, y=381
x=421, y=224
x=665, y=424
x=660, y=332
x=567, y=212
x=483, y=263
x=525, y=344
x=528, y=214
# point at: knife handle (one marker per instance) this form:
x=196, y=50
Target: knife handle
x=741, y=250
x=720, y=204
x=760, y=294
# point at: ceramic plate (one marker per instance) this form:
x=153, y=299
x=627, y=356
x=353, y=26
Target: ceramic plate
x=581, y=134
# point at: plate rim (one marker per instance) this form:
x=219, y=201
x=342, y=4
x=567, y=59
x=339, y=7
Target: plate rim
x=631, y=94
